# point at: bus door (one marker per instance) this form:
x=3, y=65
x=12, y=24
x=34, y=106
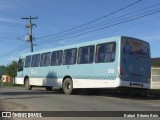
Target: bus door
x=20, y=68
x=19, y=77
x=135, y=61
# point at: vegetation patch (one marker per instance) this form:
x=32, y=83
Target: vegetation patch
x=8, y=84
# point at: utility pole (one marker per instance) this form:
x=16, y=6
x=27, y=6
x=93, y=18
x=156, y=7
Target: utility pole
x=30, y=26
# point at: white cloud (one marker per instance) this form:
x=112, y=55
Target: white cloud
x=7, y=20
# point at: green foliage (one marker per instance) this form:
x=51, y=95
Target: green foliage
x=12, y=69
x=2, y=70
x=156, y=64
x=8, y=84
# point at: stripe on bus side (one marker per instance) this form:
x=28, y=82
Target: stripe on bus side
x=77, y=83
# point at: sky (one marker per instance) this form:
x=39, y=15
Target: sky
x=65, y=22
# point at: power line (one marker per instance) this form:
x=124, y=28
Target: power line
x=131, y=19
x=20, y=48
x=116, y=11
x=6, y=37
x=117, y=18
x=84, y=25
x=15, y=50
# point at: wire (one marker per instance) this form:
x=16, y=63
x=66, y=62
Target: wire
x=116, y=11
x=85, y=25
x=117, y=18
x=13, y=51
x=113, y=20
x=129, y=5
x=131, y=19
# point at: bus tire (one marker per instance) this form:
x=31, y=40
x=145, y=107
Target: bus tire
x=68, y=86
x=27, y=84
x=48, y=88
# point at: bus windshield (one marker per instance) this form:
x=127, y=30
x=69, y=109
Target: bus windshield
x=136, y=48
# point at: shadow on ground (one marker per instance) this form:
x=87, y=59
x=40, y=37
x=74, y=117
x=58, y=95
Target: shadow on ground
x=40, y=92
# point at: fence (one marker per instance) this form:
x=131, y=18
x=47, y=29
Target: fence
x=155, y=78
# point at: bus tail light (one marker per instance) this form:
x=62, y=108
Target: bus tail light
x=121, y=71
x=149, y=76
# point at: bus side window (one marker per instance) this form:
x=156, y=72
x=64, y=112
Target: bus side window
x=86, y=55
x=56, y=58
x=110, y=52
x=20, y=64
x=45, y=59
x=28, y=61
x=73, y=56
x=69, y=57
x=105, y=52
x=100, y=54
x=35, y=60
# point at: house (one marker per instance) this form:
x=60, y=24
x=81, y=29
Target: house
x=155, y=73
x=7, y=79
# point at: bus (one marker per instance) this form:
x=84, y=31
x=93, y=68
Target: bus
x=117, y=62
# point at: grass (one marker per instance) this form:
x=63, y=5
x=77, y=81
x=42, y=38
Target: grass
x=8, y=84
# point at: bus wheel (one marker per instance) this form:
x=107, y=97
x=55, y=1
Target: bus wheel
x=68, y=86
x=27, y=85
x=49, y=88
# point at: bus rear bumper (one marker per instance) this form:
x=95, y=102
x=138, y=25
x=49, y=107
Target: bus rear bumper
x=135, y=84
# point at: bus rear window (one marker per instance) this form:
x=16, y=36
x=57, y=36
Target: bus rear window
x=133, y=47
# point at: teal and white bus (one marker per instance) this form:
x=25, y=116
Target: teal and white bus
x=118, y=62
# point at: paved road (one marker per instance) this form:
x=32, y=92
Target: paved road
x=40, y=100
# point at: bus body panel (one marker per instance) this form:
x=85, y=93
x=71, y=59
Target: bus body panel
x=44, y=76
x=81, y=74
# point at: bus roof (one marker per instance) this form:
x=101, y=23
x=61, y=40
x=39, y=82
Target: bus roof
x=78, y=45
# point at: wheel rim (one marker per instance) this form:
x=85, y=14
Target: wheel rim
x=68, y=86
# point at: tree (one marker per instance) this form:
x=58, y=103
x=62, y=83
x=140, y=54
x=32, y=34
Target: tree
x=12, y=69
x=156, y=64
x=2, y=71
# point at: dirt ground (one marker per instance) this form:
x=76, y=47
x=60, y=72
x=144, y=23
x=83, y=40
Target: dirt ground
x=12, y=106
